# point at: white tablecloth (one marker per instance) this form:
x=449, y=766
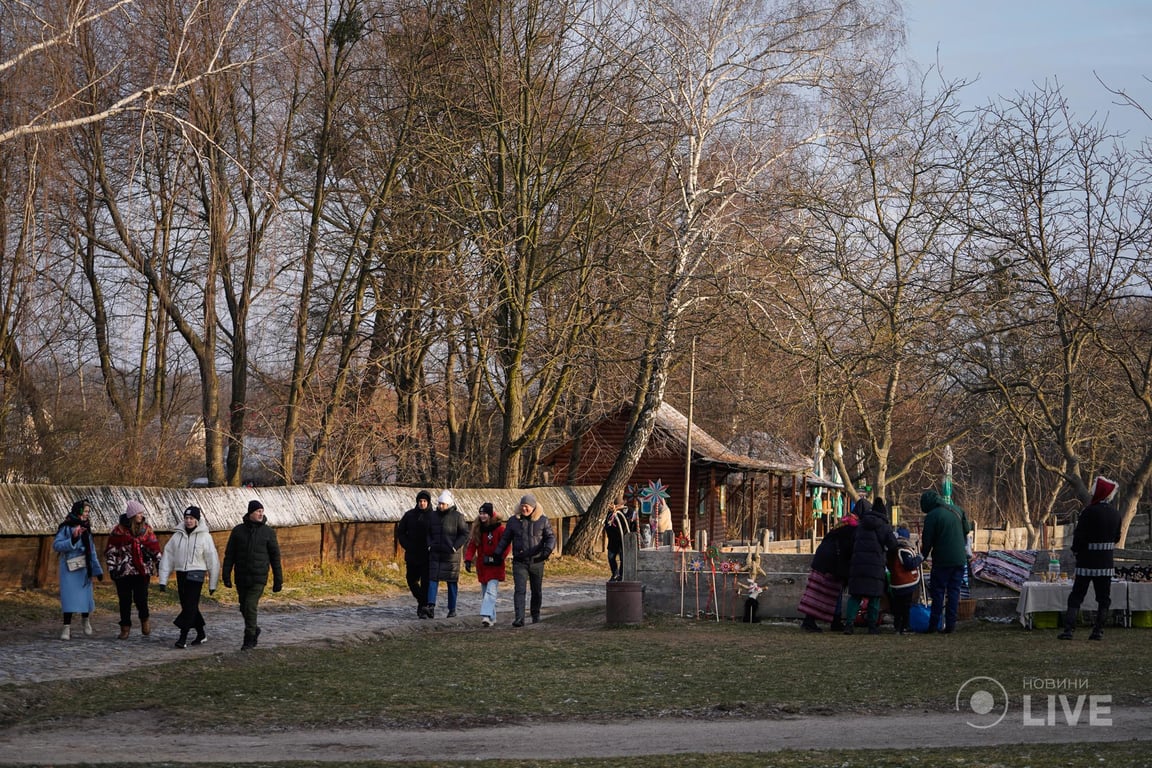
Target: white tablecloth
x=1038, y=596
x=1139, y=596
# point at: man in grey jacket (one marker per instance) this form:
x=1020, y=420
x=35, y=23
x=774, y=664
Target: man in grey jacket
x=532, y=540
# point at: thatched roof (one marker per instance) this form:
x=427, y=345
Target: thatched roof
x=777, y=456
x=37, y=510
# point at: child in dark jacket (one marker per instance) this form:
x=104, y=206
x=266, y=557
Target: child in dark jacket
x=904, y=578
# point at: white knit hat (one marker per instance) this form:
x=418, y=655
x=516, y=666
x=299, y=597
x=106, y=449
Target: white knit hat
x=445, y=497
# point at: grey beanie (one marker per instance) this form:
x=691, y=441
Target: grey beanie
x=528, y=499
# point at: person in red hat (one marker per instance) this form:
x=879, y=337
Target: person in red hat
x=1093, y=542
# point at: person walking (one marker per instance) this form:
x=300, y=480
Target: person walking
x=481, y=550
x=615, y=526
x=1093, y=543
x=866, y=572
x=78, y=564
x=827, y=575
x=944, y=542
x=412, y=535
x=530, y=536
x=447, y=535
x=251, y=551
x=191, y=554
x=132, y=554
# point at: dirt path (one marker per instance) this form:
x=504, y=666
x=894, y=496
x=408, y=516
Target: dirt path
x=106, y=741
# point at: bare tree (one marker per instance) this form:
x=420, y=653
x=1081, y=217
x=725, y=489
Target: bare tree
x=1065, y=214
x=37, y=35
x=730, y=86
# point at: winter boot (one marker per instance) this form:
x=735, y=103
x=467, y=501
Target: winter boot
x=124, y=630
x=249, y=642
x=1097, y=634
x=809, y=625
x=66, y=633
x=837, y=625
x=183, y=641
x=145, y=627
x=87, y=626
x=430, y=610
x=201, y=637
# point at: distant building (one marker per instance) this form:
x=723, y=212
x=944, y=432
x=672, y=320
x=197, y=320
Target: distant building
x=732, y=495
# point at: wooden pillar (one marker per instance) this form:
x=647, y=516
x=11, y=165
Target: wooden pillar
x=630, y=559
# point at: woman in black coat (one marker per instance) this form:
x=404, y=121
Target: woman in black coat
x=866, y=574
x=447, y=535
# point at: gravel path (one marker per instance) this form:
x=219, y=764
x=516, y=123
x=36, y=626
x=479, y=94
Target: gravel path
x=36, y=656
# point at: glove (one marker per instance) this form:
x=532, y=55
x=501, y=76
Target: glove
x=162, y=587
x=277, y=586
x=211, y=592
x=468, y=566
x=228, y=583
x=100, y=577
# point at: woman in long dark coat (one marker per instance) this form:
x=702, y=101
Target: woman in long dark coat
x=866, y=574
x=447, y=535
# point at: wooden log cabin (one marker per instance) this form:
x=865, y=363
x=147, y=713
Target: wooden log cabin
x=732, y=496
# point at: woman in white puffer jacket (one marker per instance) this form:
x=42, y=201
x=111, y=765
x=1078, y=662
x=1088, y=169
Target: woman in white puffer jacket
x=191, y=554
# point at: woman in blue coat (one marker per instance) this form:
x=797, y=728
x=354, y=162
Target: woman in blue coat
x=78, y=564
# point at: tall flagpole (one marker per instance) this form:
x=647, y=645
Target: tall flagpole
x=686, y=528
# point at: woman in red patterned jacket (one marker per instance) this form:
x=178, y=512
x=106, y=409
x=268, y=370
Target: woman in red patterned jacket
x=132, y=554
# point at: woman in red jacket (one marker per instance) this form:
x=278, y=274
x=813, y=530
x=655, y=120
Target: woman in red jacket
x=484, y=550
x=133, y=554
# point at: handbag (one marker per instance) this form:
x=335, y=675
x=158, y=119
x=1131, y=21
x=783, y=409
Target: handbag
x=194, y=575
x=76, y=563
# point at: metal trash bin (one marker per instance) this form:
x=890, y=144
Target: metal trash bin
x=624, y=602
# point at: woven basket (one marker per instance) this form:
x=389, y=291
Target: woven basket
x=966, y=609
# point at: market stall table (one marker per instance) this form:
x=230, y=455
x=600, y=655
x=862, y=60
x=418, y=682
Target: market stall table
x=1040, y=596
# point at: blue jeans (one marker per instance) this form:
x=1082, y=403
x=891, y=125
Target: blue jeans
x=488, y=592
x=453, y=590
x=945, y=588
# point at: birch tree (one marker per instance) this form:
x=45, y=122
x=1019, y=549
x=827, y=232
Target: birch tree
x=731, y=92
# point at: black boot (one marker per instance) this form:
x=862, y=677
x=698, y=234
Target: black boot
x=249, y=642
x=837, y=625
x=809, y=625
x=430, y=610
x=183, y=641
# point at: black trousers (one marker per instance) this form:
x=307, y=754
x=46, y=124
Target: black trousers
x=416, y=574
x=189, y=592
x=616, y=562
x=132, y=589
x=525, y=575
x=1102, y=586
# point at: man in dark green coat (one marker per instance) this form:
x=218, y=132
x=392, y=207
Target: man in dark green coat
x=944, y=540
x=252, y=549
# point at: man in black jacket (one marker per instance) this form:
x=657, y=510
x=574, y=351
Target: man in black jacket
x=251, y=550
x=532, y=540
x=1093, y=542
x=412, y=534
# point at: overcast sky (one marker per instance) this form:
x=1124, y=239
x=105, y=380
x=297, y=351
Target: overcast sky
x=1011, y=44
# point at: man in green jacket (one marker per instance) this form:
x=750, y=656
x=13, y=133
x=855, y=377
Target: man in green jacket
x=945, y=541
x=252, y=549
